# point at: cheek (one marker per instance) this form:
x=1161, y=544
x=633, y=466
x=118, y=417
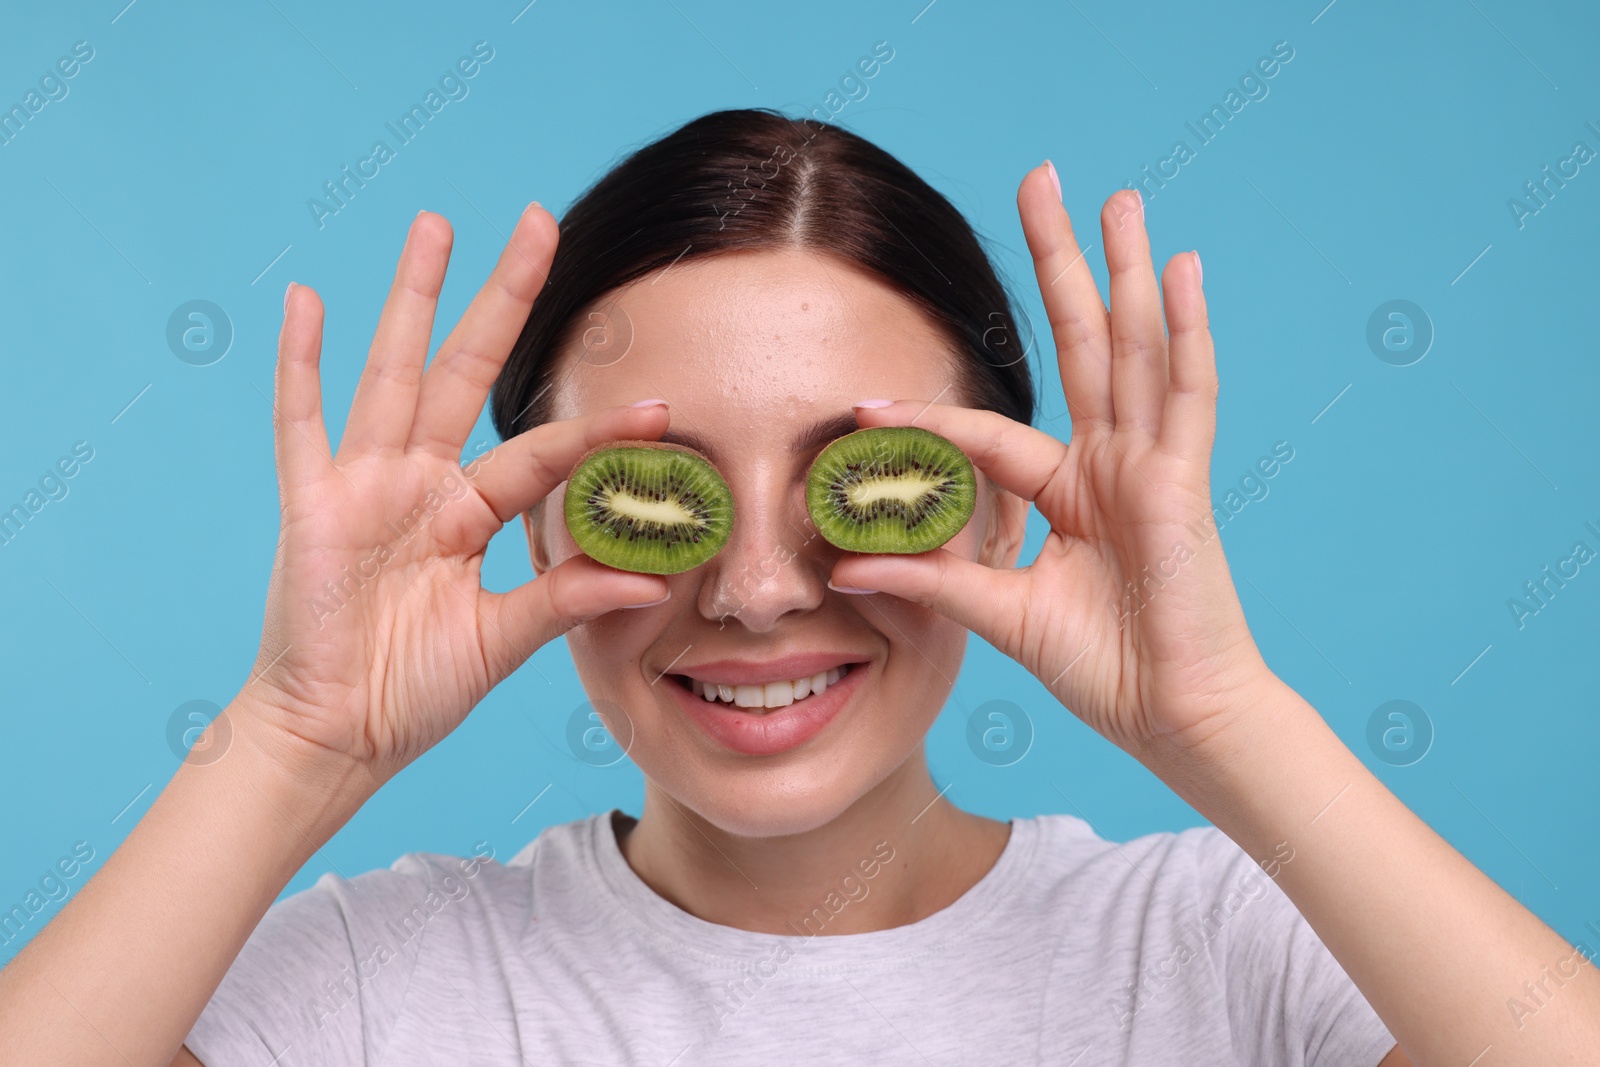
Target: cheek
x=613, y=653
x=553, y=528
x=926, y=648
x=607, y=651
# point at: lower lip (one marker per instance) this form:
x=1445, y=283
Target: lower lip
x=775, y=731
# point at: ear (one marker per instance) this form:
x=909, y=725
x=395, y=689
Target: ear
x=538, y=551
x=1008, y=523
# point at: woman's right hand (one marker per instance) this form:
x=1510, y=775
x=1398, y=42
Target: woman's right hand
x=379, y=637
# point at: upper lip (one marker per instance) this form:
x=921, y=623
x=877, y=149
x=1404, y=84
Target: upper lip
x=762, y=671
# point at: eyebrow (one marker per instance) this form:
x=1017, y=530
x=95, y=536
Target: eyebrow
x=811, y=438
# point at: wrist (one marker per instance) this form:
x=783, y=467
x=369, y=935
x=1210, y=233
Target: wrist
x=1269, y=760
x=1250, y=725
x=1223, y=719
x=312, y=789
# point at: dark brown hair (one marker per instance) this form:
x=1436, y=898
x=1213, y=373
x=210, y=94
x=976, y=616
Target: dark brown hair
x=754, y=178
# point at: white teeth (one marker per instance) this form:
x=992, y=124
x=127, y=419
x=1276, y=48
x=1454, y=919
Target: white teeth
x=772, y=695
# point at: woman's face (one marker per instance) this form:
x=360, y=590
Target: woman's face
x=761, y=355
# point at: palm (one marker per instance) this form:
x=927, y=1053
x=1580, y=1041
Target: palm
x=1133, y=649
x=404, y=638
x=379, y=637
x=1128, y=613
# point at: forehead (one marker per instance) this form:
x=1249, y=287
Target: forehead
x=744, y=343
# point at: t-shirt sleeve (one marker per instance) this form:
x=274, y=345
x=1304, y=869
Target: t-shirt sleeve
x=1289, y=1000
x=323, y=976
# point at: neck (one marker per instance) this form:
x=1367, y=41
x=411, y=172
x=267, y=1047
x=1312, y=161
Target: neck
x=897, y=855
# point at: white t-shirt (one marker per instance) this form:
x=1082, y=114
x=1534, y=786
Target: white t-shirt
x=1173, y=948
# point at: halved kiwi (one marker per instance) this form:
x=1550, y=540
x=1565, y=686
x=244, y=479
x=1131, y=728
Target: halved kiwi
x=648, y=507
x=890, y=489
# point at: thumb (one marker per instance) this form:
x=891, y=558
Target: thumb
x=982, y=599
x=539, y=611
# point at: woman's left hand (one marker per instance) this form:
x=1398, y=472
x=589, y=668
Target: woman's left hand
x=1128, y=615
x=1172, y=676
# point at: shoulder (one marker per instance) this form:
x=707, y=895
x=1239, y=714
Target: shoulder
x=487, y=870
x=1163, y=866
x=1192, y=909
x=1130, y=898
x=392, y=912
x=430, y=889
x=330, y=967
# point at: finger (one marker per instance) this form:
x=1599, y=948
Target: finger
x=386, y=396
x=1071, y=300
x=300, y=440
x=1138, y=345
x=1189, y=418
x=1020, y=459
x=524, y=470
x=456, y=384
x=537, y=612
x=983, y=599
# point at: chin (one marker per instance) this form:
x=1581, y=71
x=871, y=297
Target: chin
x=742, y=815
x=766, y=804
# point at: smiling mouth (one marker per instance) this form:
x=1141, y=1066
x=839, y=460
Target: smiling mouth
x=761, y=699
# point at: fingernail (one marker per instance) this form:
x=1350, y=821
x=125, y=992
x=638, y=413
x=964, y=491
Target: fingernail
x=530, y=207
x=649, y=404
x=286, y=293
x=1140, y=195
x=649, y=603
x=872, y=403
x=853, y=590
x=1198, y=268
x=1051, y=167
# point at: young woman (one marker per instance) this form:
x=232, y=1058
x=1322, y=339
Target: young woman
x=795, y=888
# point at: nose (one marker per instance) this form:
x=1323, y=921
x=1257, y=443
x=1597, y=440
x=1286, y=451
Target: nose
x=771, y=566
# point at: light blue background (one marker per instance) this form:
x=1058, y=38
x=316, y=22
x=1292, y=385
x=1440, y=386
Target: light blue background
x=1378, y=167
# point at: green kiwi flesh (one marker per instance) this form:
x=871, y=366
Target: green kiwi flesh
x=648, y=507
x=890, y=489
